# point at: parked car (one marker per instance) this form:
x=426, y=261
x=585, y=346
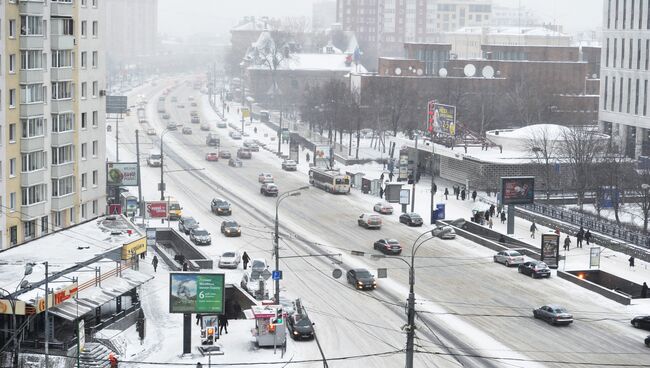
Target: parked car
x=229, y=259
x=444, y=232
x=647, y=341
x=235, y=162
x=195, y=119
x=151, y=131
x=259, y=264
x=230, y=228
x=251, y=145
x=388, y=246
x=300, y=327
x=212, y=156
x=369, y=221
x=220, y=207
x=642, y=322
x=235, y=135
x=259, y=143
x=244, y=153
x=200, y=236
x=534, y=269
x=269, y=190
x=361, y=279
x=172, y=126
x=174, y=99
x=224, y=154
x=193, y=104
x=289, y=165
x=186, y=223
x=251, y=283
x=411, y=219
x=509, y=258
x=553, y=314
x=187, y=131
x=384, y=208
x=222, y=124
x=265, y=178
x=205, y=126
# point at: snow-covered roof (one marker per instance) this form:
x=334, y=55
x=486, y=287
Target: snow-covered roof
x=518, y=139
x=510, y=31
x=321, y=62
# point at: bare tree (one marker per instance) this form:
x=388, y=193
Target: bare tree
x=642, y=192
x=542, y=143
x=530, y=98
x=613, y=178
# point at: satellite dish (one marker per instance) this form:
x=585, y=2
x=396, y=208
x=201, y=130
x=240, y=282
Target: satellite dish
x=442, y=72
x=398, y=71
x=594, y=76
x=337, y=273
x=420, y=71
x=469, y=70
x=488, y=72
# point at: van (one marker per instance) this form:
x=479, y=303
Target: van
x=154, y=159
x=175, y=209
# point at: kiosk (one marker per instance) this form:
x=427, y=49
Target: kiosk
x=269, y=325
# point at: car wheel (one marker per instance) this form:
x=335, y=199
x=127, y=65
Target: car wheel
x=519, y=270
x=507, y=264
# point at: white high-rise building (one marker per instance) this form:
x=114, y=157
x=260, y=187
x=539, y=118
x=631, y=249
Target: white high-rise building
x=625, y=74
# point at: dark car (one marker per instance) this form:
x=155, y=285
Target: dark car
x=411, y=219
x=534, y=269
x=235, y=162
x=200, y=236
x=642, y=322
x=186, y=224
x=269, y=190
x=300, y=327
x=553, y=314
x=224, y=154
x=230, y=228
x=221, y=207
x=244, y=153
x=361, y=279
x=388, y=246
x=647, y=341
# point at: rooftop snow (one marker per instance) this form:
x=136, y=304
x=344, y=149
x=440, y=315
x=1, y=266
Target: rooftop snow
x=512, y=31
x=332, y=62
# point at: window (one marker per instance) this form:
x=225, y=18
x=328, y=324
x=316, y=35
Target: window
x=84, y=151
x=12, y=167
x=13, y=235
x=95, y=88
x=71, y=212
x=34, y=194
x=95, y=28
x=95, y=179
x=44, y=225
x=12, y=201
x=58, y=218
x=613, y=93
x=31, y=93
x=95, y=59
x=61, y=90
x=62, y=26
x=62, y=187
x=12, y=133
x=62, y=122
x=12, y=98
x=29, y=228
x=84, y=210
x=84, y=181
x=33, y=161
x=83, y=2
x=31, y=59
x=84, y=59
x=95, y=148
x=95, y=206
x=62, y=155
x=645, y=100
x=636, y=103
x=95, y=119
x=84, y=91
x=83, y=28
x=94, y=3
x=12, y=63
x=33, y=127
x=31, y=25
x=84, y=120
x=61, y=58
x=606, y=92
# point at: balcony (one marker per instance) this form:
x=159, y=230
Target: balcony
x=29, y=76
x=62, y=139
x=61, y=42
x=61, y=74
x=30, y=178
x=32, y=42
x=31, y=7
x=32, y=109
x=62, y=203
x=59, y=106
x=32, y=144
x=61, y=9
x=34, y=211
x=63, y=170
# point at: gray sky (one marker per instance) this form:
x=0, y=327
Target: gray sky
x=199, y=16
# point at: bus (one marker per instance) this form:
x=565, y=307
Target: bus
x=175, y=209
x=331, y=181
x=129, y=203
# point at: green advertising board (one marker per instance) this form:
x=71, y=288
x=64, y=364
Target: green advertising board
x=196, y=292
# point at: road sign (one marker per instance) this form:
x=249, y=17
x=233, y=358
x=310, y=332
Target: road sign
x=277, y=275
x=266, y=274
x=114, y=209
x=116, y=104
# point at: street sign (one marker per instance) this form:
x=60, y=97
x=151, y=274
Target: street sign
x=156, y=209
x=405, y=196
x=116, y=104
x=114, y=209
x=277, y=275
x=266, y=274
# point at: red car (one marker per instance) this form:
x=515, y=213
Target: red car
x=212, y=156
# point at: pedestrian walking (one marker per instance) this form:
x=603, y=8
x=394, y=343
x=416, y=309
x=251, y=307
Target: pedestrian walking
x=185, y=266
x=307, y=157
x=381, y=177
x=417, y=176
x=381, y=192
x=245, y=258
x=490, y=222
x=223, y=324
x=631, y=260
x=462, y=194
x=492, y=210
x=502, y=239
x=587, y=236
x=533, y=229
x=567, y=242
x=390, y=176
x=154, y=262
x=579, y=236
x=456, y=191
x=503, y=217
x=199, y=320
x=446, y=194
x=557, y=231
x=474, y=196
x=644, y=290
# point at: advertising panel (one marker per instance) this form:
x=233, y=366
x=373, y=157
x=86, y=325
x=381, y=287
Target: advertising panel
x=116, y=104
x=156, y=209
x=517, y=190
x=322, y=155
x=550, y=250
x=134, y=248
x=594, y=257
x=196, y=292
x=57, y=297
x=294, y=150
x=81, y=332
x=405, y=196
x=122, y=174
x=441, y=118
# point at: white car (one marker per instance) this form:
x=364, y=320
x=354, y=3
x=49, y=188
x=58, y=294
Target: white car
x=250, y=282
x=509, y=258
x=289, y=165
x=235, y=135
x=229, y=259
x=444, y=232
x=384, y=208
x=265, y=178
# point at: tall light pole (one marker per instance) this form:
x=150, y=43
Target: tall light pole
x=161, y=186
x=415, y=173
x=276, y=247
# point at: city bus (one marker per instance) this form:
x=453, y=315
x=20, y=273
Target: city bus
x=331, y=181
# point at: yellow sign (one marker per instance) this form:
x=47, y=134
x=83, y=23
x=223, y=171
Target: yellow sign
x=134, y=248
x=58, y=297
x=5, y=307
x=245, y=112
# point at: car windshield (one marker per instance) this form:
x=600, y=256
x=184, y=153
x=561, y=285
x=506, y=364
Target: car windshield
x=560, y=310
x=393, y=242
x=304, y=322
x=231, y=224
x=541, y=265
x=415, y=216
x=174, y=206
x=189, y=221
x=514, y=254
x=228, y=255
x=201, y=233
x=363, y=274
x=258, y=264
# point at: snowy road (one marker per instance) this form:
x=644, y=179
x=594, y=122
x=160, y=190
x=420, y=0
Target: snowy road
x=476, y=307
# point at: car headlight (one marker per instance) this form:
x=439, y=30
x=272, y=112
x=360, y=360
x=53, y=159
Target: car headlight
x=359, y=283
x=296, y=333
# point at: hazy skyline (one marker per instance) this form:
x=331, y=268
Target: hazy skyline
x=208, y=16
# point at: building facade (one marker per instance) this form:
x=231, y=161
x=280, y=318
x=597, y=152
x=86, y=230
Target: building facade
x=53, y=126
x=625, y=71
x=323, y=14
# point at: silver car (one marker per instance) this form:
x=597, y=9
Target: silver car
x=553, y=314
x=509, y=258
x=230, y=259
x=444, y=232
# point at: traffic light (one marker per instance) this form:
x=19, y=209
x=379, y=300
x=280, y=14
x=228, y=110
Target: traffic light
x=278, y=316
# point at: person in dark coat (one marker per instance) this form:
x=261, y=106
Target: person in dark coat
x=223, y=324
x=631, y=260
x=503, y=217
x=462, y=194
x=474, y=196
x=390, y=176
x=154, y=262
x=446, y=194
x=533, y=229
x=185, y=266
x=381, y=192
x=587, y=236
x=456, y=191
x=492, y=210
x=381, y=177
x=567, y=243
x=307, y=157
x=245, y=258
x=644, y=290
x=579, y=236
x=502, y=239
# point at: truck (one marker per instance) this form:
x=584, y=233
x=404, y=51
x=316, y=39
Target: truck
x=212, y=140
x=154, y=159
x=142, y=115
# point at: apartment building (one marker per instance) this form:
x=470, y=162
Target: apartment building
x=625, y=70
x=51, y=101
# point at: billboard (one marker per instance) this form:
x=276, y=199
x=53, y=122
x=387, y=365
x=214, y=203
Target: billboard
x=322, y=155
x=196, y=292
x=517, y=190
x=122, y=174
x=116, y=104
x=133, y=248
x=441, y=118
x=550, y=253
x=156, y=209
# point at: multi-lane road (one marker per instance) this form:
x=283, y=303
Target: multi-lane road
x=472, y=312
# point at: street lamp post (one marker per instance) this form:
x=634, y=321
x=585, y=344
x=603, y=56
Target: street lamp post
x=162, y=163
x=276, y=246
